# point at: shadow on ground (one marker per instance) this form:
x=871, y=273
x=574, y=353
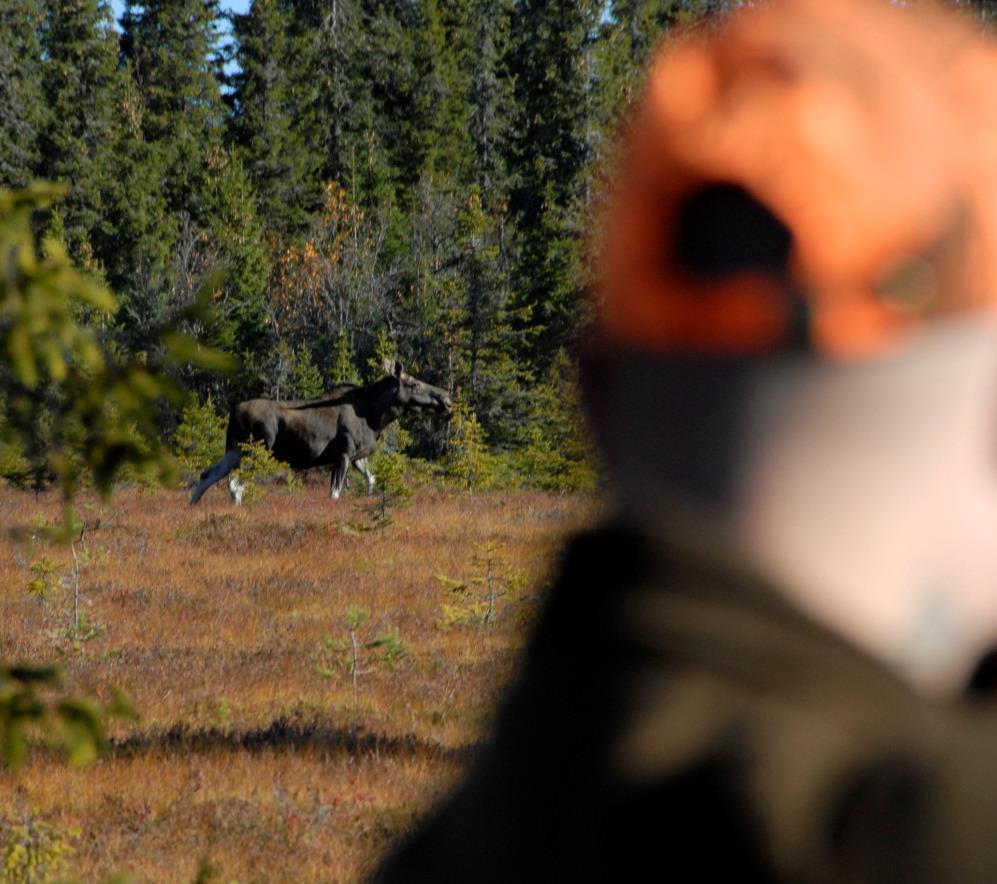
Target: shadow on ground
x=285, y=734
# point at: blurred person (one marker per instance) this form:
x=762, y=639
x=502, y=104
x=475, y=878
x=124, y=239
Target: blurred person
x=771, y=663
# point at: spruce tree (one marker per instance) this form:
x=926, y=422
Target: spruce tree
x=631, y=34
x=273, y=116
x=490, y=375
x=235, y=234
x=435, y=134
x=552, y=61
x=491, y=101
x=81, y=85
x=334, y=41
x=136, y=232
x=172, y=49
x=171, y=46
x=22, y=107
x=343, y=370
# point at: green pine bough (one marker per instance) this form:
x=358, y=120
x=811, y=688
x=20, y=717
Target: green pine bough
x=73, y=413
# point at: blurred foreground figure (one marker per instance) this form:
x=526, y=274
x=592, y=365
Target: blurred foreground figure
x=761, y=669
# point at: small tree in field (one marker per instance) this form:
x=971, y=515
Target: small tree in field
x=344, y=370
x=257, y=466
x=468, y=462
x=352, y=653
x=199, y=439
x=492, y=578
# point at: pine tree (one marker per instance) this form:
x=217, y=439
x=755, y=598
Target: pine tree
x=81, y=83
x=553, y=63
x=273, y=116
x=491, y=101
x=236, y=236
x=22, y=107
x=171, y=46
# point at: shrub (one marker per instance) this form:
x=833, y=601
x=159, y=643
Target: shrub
x=36, y=851
x=542, y=466
x=258, y=465
x=344, y=369
x=199, y=439
x=469, y=462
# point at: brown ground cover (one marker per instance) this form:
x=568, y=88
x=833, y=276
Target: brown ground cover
x=229, y=628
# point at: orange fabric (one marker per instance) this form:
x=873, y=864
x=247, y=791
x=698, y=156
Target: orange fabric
x=869, y=129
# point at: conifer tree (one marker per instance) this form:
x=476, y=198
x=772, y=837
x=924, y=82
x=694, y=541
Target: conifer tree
x=344, y=370
x=273, y=116
x=334, y=42
x=136, y=232
x=22, y=108
x=236, y=235
x=354, y=52
x=491, y=101
x=81, y=85
x=631, y=34
x=552, y=62
x=490, y=374
x=436, y=130
x=171, y=46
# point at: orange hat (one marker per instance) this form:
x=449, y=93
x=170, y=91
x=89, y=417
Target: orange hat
x=829, y=165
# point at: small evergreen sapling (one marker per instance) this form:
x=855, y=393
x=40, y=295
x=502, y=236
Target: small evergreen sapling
x=200, y=436
x=258, y=465
x=350, y=654
x=492, y=578
x=469, y=462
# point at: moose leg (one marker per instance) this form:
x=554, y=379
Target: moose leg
x=338, y=477
x=361, y=465
x=215, y=473
x=236, y=489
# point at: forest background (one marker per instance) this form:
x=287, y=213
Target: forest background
x=346, y=180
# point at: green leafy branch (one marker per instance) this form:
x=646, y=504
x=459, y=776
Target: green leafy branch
x=74, y=410
x=31, y=698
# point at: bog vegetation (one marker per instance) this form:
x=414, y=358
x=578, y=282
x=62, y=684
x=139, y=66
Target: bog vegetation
x=306, y=680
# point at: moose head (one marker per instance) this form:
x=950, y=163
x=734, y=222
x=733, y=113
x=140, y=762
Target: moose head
x=411, y=394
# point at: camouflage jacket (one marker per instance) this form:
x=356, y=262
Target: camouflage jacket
x=673, y=713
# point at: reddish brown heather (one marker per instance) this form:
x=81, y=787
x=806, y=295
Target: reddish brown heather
x=213, y=623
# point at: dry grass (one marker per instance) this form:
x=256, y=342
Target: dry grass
x=214, y=619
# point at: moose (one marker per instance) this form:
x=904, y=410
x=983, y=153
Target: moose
x=339, y=428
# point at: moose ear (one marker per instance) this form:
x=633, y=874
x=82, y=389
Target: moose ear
x=396, y=369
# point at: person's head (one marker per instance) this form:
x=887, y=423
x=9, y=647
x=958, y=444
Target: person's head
x=797, y=313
